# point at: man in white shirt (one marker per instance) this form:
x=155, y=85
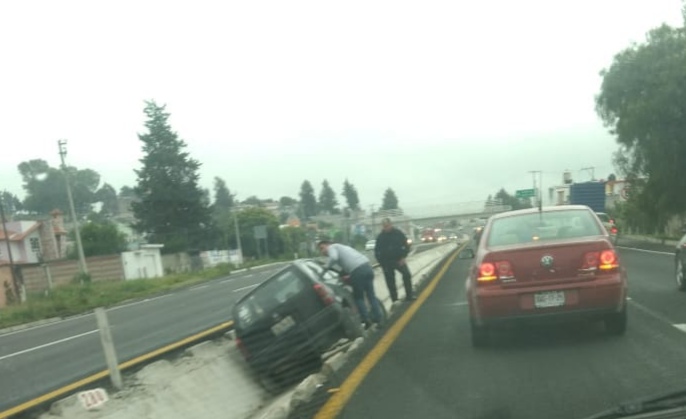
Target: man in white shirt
x=361, y=274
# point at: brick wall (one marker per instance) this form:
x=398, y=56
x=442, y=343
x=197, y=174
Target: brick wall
x=100, y=268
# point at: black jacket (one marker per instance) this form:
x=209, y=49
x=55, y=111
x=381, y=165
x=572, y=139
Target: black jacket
x=391, y=246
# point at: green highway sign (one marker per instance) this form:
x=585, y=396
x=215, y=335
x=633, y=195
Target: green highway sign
x=525, y=193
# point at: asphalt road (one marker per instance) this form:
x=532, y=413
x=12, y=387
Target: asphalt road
x=560, y=372
x=38, y=360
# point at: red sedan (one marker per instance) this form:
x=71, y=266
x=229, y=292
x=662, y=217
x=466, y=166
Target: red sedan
x=554, y=265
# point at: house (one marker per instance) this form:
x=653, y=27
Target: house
x=34, y=241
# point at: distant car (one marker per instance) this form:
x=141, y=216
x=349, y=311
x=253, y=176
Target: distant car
x=680, y=262
x=370, y=245
x=609, y=225
x=291, y=319
x=556, y=265
x=452, y=237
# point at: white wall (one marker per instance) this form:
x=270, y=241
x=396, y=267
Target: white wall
x=16, y=251
x=143, y=263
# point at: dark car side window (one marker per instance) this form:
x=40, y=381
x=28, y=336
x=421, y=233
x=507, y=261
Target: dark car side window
x=269, y=296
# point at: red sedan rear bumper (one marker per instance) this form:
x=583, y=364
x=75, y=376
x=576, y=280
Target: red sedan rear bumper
x=590, y=298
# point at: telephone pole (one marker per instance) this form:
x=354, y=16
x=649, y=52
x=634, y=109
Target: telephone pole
x=62, y=144
x=538, y=192
x=17, y=291
x=238, y=237
x=371, y=208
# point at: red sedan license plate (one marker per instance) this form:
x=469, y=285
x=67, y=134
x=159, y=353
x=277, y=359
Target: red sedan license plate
x=549, y=299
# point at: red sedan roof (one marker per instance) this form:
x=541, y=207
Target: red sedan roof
x=535, y=210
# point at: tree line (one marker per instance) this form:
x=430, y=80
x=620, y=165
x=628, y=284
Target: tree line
x=169, y=205
x=642, y=102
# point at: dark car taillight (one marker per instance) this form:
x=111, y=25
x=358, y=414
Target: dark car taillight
x=605, y=261
x=242, y=348
x=324, y=294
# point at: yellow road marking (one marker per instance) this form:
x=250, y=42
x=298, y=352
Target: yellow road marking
x=102, y=374
x=337, y=401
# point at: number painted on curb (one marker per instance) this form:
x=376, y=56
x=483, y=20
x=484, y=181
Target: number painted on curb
x=93, y=399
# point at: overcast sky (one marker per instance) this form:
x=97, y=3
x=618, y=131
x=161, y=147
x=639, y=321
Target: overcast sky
x=445, y=102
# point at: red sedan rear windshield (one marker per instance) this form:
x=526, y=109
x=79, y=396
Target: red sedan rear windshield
x=545, y=226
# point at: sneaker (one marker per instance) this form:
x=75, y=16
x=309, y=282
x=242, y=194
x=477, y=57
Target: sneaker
x=367, y=325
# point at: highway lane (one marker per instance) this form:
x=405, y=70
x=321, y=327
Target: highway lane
x=37, y=360
x=431, y=370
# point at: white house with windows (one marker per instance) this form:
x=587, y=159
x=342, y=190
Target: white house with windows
x=34, y=241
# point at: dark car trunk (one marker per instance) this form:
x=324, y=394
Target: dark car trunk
x=279, y=317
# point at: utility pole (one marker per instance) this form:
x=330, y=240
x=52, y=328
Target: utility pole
x=17, y=291
x=539, y=193
x=371, y=208
x=238, y=238
x=62, y=144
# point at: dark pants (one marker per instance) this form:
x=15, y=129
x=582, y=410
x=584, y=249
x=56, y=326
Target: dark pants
x=389, y=274
x=362, y=280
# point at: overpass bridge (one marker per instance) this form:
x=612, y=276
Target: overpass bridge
x=427, y=221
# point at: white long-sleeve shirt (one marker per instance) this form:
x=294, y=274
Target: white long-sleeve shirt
x=346, y=257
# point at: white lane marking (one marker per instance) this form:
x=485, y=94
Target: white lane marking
x=459, y=304
x=225, y=281
x=248, y=275
x=681, y=326
x=57, y=342
x=199, y=287
x=651, y=312
x=133, y=303
x=245, y=288
x=647, y=251
x=38, y=326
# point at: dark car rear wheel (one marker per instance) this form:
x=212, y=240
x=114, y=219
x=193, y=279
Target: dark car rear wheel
x=615, y=323
x=679, y=273
x=480, y=335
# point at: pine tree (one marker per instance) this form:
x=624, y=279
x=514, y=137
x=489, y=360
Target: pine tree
x=172, y=208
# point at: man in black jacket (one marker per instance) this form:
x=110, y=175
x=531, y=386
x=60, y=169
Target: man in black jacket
x=391, y=250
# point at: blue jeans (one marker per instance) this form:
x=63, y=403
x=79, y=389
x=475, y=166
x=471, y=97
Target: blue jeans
x=362, y=280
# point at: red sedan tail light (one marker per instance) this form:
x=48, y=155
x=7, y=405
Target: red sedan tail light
x=605, y=261
x=608, y=260
x=613, y=230
x=489, y=272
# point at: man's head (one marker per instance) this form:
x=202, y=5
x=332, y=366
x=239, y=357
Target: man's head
x=323, y=247
x=386, y=224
